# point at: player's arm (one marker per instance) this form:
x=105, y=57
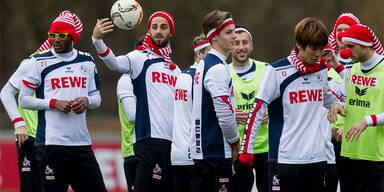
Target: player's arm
x=7, y=96
x=119, y=63
x=372, y=120
x=220, y=90
x=126, y=97
x=268, y=91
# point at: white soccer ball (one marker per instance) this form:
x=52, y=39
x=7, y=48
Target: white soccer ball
x=126, y=14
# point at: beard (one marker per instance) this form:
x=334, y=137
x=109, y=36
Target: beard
x=162, y=43
x=236, y=57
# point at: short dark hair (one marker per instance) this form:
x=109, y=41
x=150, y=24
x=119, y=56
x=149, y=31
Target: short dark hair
x=311, y=32
x=214, y=19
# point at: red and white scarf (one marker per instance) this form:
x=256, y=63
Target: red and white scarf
x=164, y=52
x=302, y=67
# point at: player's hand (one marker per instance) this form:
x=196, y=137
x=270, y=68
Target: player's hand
x=21, y=134
x=354, y=132
x=339, y=134
x=63, y=106
x=265, y=118
x=102, y=27
x=241, y=117
x=332, y=60
x=79, y=104
x=235, y=152
x=335, y=109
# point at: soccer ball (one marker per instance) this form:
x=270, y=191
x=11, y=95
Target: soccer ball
x=126, y=14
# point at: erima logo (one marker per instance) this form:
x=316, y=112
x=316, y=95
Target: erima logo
x=359, y=103
x=360, y=92
x=249, y=96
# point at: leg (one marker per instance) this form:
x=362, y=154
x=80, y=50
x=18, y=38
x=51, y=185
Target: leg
x=261, y=167
x=243, y=178
x=29, y=168
x=181, y=179
x=312, y=177
x=331, y=178
x=55, y=166
x=224, y=177
x=357, y=176
x=130, y=164
x=86, y=175
x=206, y=174
x=285, y=177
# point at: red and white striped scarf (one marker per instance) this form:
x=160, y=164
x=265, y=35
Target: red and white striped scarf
x=302, y=67
x=164, y=52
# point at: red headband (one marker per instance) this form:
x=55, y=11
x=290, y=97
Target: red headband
x=213, y=32
x=201, y=45
x=166, y=16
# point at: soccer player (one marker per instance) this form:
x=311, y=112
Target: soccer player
x=66, y=84
x=363, y=140
x=295, y=91
x=246, y=75
x=154, y=77
x=25, y=123
x=127, y=114
x=215, y=139
x=182, y=163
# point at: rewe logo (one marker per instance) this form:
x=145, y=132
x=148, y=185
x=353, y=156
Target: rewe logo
x=163, y=78
x=181, y=95
x=364, y=80
x=67, y=82
x=304, y=96
x=249, y=96
x=360, y=92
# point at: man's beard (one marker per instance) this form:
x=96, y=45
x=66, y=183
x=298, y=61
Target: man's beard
x=236, y=57
x=164, y=43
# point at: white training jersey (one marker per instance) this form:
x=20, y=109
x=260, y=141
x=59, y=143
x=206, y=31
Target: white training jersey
x=182, y=109
x=124, y=87
x=295, y=106
x=153, y=84
x=55, y=77
x=210, y=137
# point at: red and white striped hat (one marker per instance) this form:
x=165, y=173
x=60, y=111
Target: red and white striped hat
x=67, y=22
x=345, y=18
x=201, y=45
x=361, y=35
x=166, y=16
x=47, y=44
x=215, y=31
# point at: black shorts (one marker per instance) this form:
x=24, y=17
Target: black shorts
x=130, y=164
x=297, y=177
x=28, y=166
x=366, y=176
x=153, y=172
x=183, y=178
x=243, y=179
x=70, y=165
x=213, y=175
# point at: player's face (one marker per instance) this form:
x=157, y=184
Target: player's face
x=309, y=55
x=61, y=45
x=226, y=38
x=242, y=47
x=341, y=28
x=359, y=53
x=160, y=31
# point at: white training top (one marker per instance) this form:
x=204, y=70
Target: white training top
x=295, y=105
x=153, y=84
x=213, y=118
x=126, y=96
x=182, y=109
x=53, y=76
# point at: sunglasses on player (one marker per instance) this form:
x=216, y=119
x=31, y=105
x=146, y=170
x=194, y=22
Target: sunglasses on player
x=61, y=36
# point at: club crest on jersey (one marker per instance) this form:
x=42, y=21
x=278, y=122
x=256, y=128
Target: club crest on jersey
x=83, y=69
x=49, y=173
x=26, y=165
x=319, y=79
x=364, y=80
x=157, y=172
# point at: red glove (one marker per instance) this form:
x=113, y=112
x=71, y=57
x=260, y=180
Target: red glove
x=246, y=159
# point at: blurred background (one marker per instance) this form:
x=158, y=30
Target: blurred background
x=24, y=25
